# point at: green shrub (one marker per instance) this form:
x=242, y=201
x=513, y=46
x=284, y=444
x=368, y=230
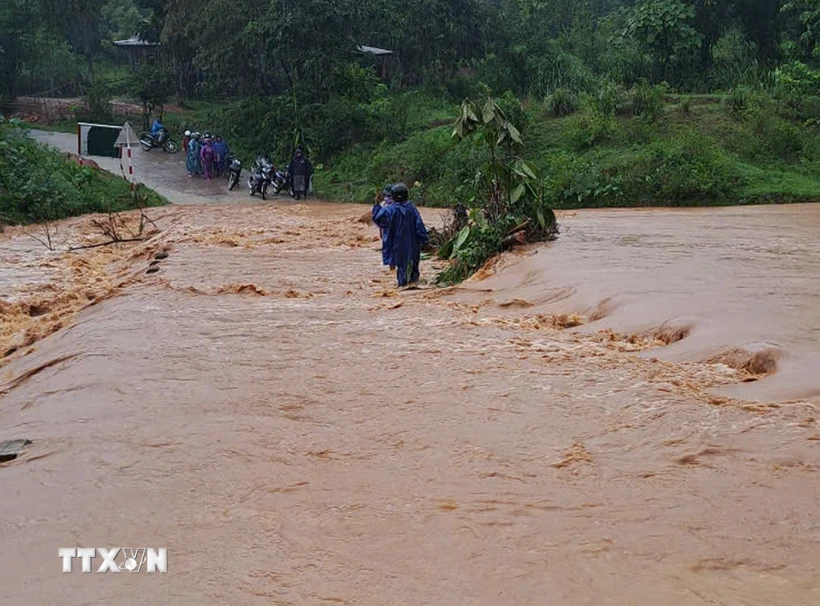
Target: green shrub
x=514, y=111
x=686, y=104
x=591, y=128
x=638, y=130
x=562, y=102
x=556, y=68
x=738, y=100
x=735, y=60
x=578, y=181
x=39, y=184
x=685, y=170
x=483, y=243
x=781, y=138
x=610, y=98
x=647, y=101
x=97, y=101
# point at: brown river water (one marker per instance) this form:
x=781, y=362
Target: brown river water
x=628, y=415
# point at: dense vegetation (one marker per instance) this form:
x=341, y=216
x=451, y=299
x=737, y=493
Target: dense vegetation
x=618, y=102
x=38, y=184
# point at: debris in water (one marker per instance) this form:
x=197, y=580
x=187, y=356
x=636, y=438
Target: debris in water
x=10, y=449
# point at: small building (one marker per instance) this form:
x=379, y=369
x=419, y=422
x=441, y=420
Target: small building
x=381, y=54
x=137, y=49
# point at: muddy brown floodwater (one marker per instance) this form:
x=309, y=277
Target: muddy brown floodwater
x=295, y=431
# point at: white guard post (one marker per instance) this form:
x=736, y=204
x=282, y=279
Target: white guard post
x=127, y=139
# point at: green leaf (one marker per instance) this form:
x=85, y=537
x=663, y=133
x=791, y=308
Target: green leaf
x=489, y=111
x=516, y=194
x=528, y=170
x=514, y=134
x=461, y=239
x=446, y=251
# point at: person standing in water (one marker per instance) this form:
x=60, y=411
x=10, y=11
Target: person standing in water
x=383, y=199
x=405, y=233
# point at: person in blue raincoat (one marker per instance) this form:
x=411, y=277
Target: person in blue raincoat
x=405, y=234
x=384, y=199
x=221, y=150
x=194, y=163
x=158, y=131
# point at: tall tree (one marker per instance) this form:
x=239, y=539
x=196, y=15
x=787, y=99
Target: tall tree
x=665, y=28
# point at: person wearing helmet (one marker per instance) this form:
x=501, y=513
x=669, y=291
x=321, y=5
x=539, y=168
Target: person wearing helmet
x=383, y=199
x=299, y=172
x=405, y=233
x=158, y=131
x=185, y=140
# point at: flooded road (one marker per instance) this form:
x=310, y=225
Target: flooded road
x=295, y=431
x=740, y=284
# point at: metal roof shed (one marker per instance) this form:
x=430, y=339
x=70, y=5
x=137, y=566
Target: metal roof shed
x=381, y=53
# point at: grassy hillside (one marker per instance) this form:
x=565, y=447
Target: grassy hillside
x=639, y=148
x=685, y=151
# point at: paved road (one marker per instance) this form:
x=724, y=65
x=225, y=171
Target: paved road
x=162, y=172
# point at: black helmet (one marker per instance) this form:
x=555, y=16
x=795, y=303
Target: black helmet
x=400, y=192
x=387, y=192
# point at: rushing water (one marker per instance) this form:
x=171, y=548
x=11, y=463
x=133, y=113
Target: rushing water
x=296, y=432
x=729, y=278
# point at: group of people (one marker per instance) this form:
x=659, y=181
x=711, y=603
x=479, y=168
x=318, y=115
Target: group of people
x=403, y=233
x=206, y=155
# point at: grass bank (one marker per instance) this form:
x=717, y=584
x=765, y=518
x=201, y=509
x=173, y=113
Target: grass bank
x=701, y=152
x=616, y=149
x=40, y=184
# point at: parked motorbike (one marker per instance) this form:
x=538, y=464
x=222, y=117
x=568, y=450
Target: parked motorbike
x=162, y=140
x=234, y=172
x=261, y=177
x=280, y=180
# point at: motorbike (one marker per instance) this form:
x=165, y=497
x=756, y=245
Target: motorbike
x=280, y=180
x=261, y=177
x=234, y=172
x=162, y=140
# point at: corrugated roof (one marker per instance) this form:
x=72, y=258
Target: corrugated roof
x=135, y=41
x=371, y=50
